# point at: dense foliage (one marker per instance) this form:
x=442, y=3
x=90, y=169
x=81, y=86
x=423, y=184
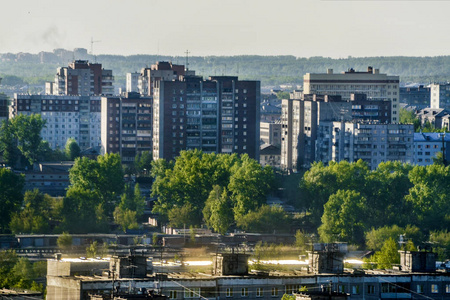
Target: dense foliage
x=212, y=187
x=359, y=205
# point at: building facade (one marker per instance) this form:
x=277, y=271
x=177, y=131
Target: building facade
x=373, y=143
x=162, y=70
x=270, y=133
x=417, y=96
x=375, y=85
x=440, y=95
x=428, y=145
x=126, y=125
x=66, y=117
x=220, y=114
x=133, y=82
x=300, y=120
x=82, y=78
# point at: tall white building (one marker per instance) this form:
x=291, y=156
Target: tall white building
x=133, y=82
x=440, y=95
x=375, y=85
x=66, y=117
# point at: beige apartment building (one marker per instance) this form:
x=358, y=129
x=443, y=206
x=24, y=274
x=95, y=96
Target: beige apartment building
x=375, y=85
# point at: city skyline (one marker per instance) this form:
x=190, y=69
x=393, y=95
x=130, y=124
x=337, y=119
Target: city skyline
x=304, y=28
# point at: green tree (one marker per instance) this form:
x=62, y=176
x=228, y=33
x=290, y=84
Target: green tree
x=320, y=182
x=189, y=180
x=218, y=210
x=82, y=212
x=27, y=132
x=72, y=150
x=249, y=185
x=388, y=255
x=343, y=218
x=35, y=215
x=265, y=219
x=429, y=197
x=184, y=215
x=143, y=163
x=441, y=243
x=64, y=240
x=301, y=240
x=130, y=208
x=8, y=144
x=409, y=117
x=385, y=189
x=102, y=179
x=11, y=196
x=375, y=238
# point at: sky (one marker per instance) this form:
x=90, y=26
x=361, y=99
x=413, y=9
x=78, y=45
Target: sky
x=303, y=28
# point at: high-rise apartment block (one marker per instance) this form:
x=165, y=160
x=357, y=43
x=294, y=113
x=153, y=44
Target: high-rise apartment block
x=375, y=85
x=160, y=71
x=126, y=125
x=66, y=117
x=82, y=78
x=440, y=95
x=133, y=82
x=220, y=114
x=373, y=143
x=300, y=120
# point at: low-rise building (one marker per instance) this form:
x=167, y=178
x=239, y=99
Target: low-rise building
x=428, y=144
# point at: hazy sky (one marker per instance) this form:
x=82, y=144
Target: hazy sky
x=303, y=28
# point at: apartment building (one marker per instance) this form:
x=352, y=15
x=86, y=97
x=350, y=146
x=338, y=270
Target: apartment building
x=300, y=119
x=126, y=125
x=417, y=96
x=82, y=78
x=66, y=117
x=375, y=85
x=428, y=145
x=133, y=82
x=270, y=133
x=373, y=143
x=440, y=95
x=220, y=114
x=162, y=70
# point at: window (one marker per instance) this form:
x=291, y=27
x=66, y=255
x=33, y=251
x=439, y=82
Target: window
x=355, y=289
x=274, y=292
x=434, y=289
x=192, y=293
x=259, y=291
x=229, y=292
x=244, y=292
x=447, y=288
x=341, y=288
x=419, y=288
x=172, y=294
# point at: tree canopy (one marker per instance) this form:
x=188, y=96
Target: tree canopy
x=187, y=184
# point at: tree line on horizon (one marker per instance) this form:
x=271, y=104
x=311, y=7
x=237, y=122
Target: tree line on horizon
x=270, y=70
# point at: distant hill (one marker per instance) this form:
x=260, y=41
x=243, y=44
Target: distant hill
x=271, y=70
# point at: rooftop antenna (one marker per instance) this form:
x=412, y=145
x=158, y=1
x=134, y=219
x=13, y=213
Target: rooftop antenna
x=92, y=46
x=187, y=59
